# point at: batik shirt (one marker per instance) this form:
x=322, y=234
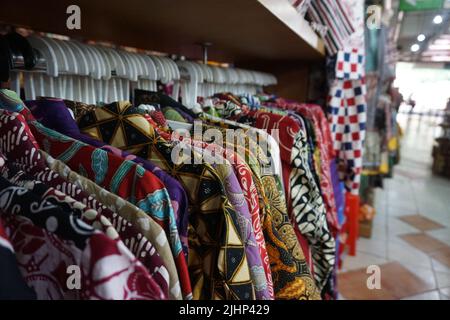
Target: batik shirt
x=17, y=200
x=306, y=203
x=287, y=129
x=16, y=176
x=108, y=271
x=14, y=128
x=323, y=140
x=291, y=275
x=237, y=200
x=123, y=178
x=12, y=284
x=310, y=214
x=54, y=114
x=217, y=261
x=244, y=176
x=144, y=224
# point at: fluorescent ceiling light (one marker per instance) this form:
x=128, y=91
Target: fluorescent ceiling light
x=415, y=47
x=438, y=19
x=421, y=37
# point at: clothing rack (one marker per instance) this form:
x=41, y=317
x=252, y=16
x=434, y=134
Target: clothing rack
x=184, y=229
x=111, y=69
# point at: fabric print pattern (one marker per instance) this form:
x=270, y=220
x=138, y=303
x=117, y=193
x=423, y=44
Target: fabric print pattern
x=33, y=163
x=208, y=206
x=290, y=273
x=237, y=200
x=108, y=270
x=309, y=212
x=12, y=283
x=100, y=165
x=130, y=214
x=57, y=114
x=123, y=177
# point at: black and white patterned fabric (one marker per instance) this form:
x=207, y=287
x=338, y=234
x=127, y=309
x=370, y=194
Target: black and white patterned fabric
x=44, y=214
x=310, y=214
x=12, y=284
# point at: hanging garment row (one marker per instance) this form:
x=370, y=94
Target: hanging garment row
x=144, y=211
x=229, y=230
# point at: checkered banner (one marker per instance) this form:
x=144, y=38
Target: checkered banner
x=347, y=113
x=350, y=64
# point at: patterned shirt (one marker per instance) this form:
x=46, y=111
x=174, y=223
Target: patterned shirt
x=304, y=199
x=12, y=284
x=291, y=275
x=108, y=271
x=54, y=114
x=218, y=265
x=14, y=128
x=122, y=177
x=139, y=219
x=244, y=176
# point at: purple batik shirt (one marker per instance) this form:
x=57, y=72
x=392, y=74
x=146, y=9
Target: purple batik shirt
x=54, y=114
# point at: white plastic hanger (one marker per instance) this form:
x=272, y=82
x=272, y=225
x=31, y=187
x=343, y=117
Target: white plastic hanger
x=153, y=70
x=163, y=72
x=34, y=82
x=81, y=83
x=189, y=83
x=54, y=86
x=159, y=66
x=73, y=69
x=101, y=84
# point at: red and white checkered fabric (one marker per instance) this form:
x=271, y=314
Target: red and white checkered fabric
x=347, y=114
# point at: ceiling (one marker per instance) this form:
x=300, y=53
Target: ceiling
x=436, y=46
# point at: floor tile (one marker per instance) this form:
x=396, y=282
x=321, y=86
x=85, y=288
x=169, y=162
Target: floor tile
x=444, y=297
x=424, y=242
x=426, y=274
x=438, y=266
x=397, y=227
x=361, y=260
x=374, y=247
x=445, y=292
x=410, y=233
x=402, y=252
x=441, y=234
x=442, y=255
x=397, y=282
x=401, y=207
x=442, y=279
x=420, y=222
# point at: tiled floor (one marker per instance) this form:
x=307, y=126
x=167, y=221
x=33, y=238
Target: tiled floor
x=411, y=231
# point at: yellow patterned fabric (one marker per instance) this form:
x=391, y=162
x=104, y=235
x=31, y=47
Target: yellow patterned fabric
x=218, y=265
x=291, y=275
